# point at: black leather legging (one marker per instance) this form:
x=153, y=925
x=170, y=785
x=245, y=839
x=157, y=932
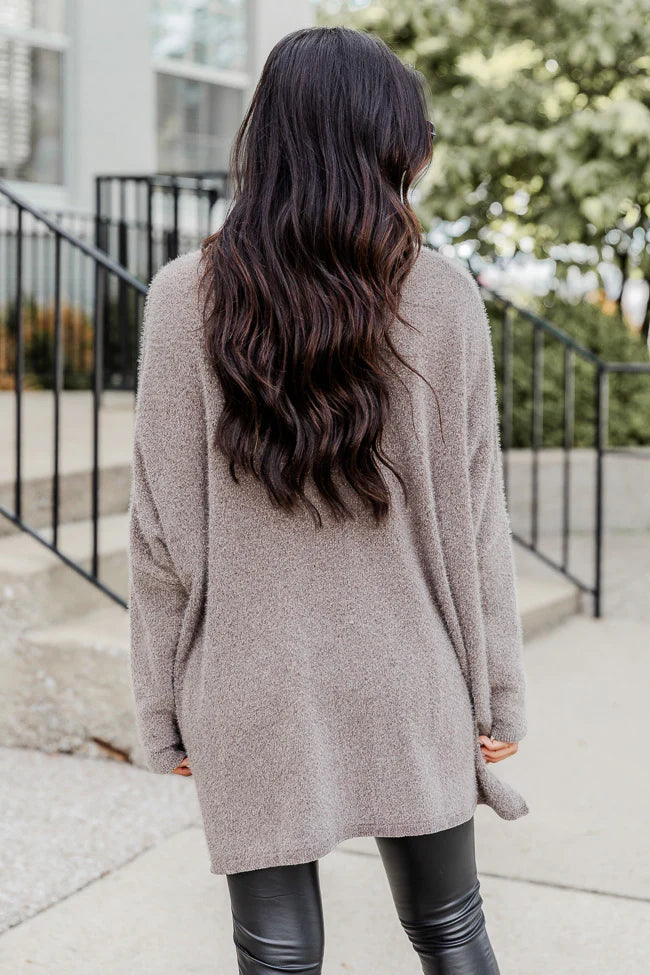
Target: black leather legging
x=278, y=916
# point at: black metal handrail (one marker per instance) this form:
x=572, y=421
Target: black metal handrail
x=39, y=244
x=129, y=292
x=168, y=208
x=142, y=221
x=602, y=371
x=48, y=276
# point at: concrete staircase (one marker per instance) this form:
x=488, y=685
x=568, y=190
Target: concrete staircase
x=65, y=644
x=64, y=652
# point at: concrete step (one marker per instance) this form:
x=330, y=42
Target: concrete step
x=65, y=652
x=545, y=603
x=545, y=598
x=66, y=687
x=75, y=496
x=76, y=452
x=36, y=574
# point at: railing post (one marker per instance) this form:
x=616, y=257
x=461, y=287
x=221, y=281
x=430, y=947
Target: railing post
x=104, y=204
x=506, y=381
x=149, y=229
x=602, y=423
x=20, y=355
x=173, y=239
x=98, y=211
x=567, y=443
x=98, y=381
x=58, y=382
x=536, y=426
x=122, y=295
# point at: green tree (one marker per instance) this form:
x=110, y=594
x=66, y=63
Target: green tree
x=543, y=115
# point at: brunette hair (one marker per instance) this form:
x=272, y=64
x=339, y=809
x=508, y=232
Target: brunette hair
x=304, y=276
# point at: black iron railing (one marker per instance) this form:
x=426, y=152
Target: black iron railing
x=65, y=304
x=53, y=300
x=119, y=322
x=143, y=221
x=543, y=335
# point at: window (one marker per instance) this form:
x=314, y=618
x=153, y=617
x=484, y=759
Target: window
x=196, y=124
x=200, y=53
x=47, y=15
x=208, y=32
x=31, y=89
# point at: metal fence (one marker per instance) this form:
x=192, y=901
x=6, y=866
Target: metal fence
x=543, y=339
x=70, y=313
x=54, y=293
x=143, y=221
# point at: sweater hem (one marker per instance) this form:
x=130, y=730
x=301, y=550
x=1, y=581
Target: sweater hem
x=314, y=851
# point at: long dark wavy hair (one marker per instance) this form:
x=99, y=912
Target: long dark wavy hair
x=305, y=274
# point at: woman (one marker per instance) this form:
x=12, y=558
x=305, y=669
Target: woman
x=323, y=611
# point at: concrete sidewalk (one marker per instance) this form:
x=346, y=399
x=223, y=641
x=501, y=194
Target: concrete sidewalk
x=566, y=889
x=163, y=913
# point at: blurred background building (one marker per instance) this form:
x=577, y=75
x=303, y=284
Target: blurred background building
x=130, y=86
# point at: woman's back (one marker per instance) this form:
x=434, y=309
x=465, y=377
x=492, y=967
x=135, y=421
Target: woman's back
x=326, y=681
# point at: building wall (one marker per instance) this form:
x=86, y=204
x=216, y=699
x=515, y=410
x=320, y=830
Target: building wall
x=269, y=22
x=110, y=91
x=112, y=110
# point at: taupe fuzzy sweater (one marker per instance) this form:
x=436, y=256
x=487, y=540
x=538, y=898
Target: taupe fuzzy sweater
x=326, y=683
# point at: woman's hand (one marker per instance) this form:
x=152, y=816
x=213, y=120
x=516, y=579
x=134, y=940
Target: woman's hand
x=183, y=768
x=496, y=751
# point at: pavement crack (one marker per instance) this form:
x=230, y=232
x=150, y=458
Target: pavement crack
x=513, y=878
x=97, y=879
x=575, y=888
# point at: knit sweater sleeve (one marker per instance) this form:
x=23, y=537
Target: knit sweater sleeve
x=497, y=573
x=167, y=463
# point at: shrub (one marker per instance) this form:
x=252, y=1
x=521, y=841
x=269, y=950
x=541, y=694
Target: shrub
x=38, y=339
